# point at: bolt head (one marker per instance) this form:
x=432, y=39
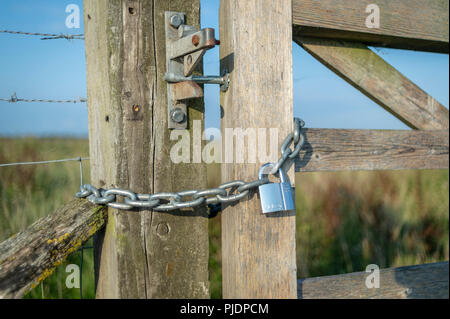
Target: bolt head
x=177, y=115
x=195, y=40
x=176, y=20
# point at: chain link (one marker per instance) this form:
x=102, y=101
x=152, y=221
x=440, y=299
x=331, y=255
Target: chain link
x=229, y=192
x=287, y=155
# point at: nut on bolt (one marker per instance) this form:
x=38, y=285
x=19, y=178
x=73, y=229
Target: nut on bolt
x=176, y=20
x=177, y=115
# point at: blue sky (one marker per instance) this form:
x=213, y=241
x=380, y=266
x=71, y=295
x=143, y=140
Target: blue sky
x=55, y=69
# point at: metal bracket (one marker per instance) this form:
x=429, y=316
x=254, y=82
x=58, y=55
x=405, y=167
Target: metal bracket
x=185, y=47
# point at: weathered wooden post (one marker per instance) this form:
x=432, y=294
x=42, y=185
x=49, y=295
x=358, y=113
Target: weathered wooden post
x=140, y=254
x=258, y=251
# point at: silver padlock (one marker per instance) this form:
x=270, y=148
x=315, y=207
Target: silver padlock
x=275, y=197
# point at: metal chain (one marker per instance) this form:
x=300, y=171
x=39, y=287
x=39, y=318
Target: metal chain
x=287, y=155
x=48, y=36
x=15, y=99
x=229, y=192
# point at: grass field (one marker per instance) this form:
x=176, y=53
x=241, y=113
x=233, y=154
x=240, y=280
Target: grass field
x=345, y=221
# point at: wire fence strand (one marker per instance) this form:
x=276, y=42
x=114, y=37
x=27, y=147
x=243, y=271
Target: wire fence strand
x=47, y=36
x=15, y=99
x=78, y=159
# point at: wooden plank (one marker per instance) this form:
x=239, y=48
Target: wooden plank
x=379, y=81
x=428, y=281
x=30, y=256
x=141, y=254
x=258, y=251
x=404, y=24
x=339, y=150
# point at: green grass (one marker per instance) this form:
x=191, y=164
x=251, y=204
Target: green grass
x=345, y=221
x=30, y=192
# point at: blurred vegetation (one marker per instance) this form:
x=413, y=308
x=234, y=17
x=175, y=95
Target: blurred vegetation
x=30, y=192
x=345, y=221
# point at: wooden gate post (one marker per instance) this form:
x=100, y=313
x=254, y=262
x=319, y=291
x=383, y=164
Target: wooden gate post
x=258, y=252
x=141, y=254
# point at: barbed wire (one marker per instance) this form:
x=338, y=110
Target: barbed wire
x=15, y=99
x=48, y=36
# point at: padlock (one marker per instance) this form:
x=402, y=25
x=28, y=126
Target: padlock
x=275, y=197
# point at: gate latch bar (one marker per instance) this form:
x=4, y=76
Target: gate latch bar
x=223, y=81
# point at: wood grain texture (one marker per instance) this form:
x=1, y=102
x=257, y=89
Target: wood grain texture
x=258, y=251
x=340, y=150
x=30, y=256
x=404, y=24
x=428, y=281
x=141, y=254
x=379, y=81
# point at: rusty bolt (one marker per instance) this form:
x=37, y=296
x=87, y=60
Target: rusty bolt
x=195, y=40
x=136, y=108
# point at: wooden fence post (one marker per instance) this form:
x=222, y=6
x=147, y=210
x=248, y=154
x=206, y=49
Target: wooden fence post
x=258, y=252
x=141, y=254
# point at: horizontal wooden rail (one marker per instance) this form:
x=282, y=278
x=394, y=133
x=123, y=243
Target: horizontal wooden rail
x=339, y=150
x=405, y=24
x=428, y=281
x=30, y=256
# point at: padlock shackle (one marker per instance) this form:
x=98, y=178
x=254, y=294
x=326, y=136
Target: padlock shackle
x=283, y=177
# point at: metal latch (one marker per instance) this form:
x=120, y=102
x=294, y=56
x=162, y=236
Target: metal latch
x=185, y=47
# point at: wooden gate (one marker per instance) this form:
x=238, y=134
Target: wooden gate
x=259, y=252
